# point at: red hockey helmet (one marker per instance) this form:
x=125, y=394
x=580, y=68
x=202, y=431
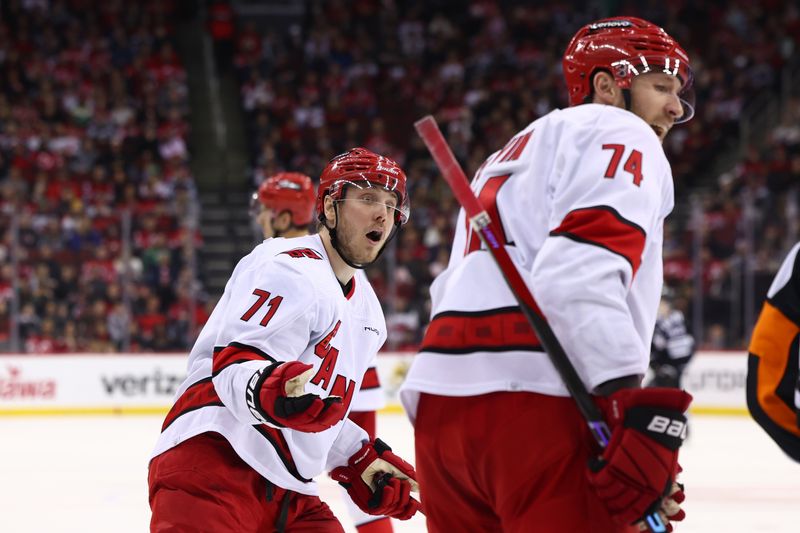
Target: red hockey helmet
x=361, y=168
x=625, y=47
x=289, y=191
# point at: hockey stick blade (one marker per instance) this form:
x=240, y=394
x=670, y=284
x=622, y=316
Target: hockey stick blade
x=451, y=171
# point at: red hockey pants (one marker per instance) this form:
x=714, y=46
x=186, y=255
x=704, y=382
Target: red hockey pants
x=202, y=485
x=506, y=461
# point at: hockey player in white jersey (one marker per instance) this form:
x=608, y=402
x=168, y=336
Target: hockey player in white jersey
x=579, y=198
x=283, y=206
x=273, y=374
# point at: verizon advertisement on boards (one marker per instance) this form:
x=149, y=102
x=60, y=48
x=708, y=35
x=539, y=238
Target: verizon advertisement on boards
x=89, y=383
x=98, y=384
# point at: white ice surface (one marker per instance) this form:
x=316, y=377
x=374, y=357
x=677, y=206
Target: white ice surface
x=82, y=474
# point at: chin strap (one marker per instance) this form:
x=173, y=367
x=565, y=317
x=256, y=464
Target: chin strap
x=626, y=95
x=335, y=241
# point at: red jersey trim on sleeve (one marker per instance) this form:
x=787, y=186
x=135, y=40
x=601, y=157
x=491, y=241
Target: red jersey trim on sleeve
x=494, y=330
x=371, y=380
x=236, y=353
x=197, y=396
x=603, y=226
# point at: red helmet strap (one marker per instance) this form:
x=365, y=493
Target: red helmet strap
x=626, y=95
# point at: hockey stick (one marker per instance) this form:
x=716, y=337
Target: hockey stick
x=451, y=171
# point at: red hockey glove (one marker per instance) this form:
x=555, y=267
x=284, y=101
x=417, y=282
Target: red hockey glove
x=277, y=395
x=670, y=510
x=379, y=482
x=639, y=466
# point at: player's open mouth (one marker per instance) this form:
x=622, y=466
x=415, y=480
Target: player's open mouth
x=375, y=236
x=661, y=132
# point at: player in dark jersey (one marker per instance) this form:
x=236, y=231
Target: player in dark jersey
x=773, y=378
x=673, y=346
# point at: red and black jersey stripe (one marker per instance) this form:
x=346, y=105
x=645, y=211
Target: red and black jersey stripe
x=371, y=380
x=236, y=353
x=603, y=226
x=276, y=438
x=197, y=396
x=203, y=394
x=350, y=289
x=493, y=330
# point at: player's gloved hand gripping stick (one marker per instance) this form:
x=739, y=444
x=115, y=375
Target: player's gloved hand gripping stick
x=379, y=482
x=611, y=476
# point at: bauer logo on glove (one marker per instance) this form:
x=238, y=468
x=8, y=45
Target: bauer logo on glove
x=666, y=427
x=673, y=428
x=636, y=473
x=379, y=482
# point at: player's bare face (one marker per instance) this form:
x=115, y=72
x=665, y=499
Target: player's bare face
x=366, y=218
x=654, y=98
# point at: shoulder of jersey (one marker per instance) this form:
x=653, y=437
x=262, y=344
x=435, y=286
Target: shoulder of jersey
x=363, y=281
x=301, y=249
x=605, y=117
x=575, y=125
x=298, y=263
x=300, y=254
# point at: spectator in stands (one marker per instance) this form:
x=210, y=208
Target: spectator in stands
x=93, y=110
x=86, y=103
x=221, y=26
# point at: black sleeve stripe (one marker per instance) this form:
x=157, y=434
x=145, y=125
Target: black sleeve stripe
x=604, y=227
x=274, y=439
x=253, y=349
x=197, y=395
x=229, y=363
x=593, y=243
x=237, y=353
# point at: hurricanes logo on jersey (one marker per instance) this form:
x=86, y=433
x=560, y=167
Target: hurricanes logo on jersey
x=298, y=253
x=342, y=386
